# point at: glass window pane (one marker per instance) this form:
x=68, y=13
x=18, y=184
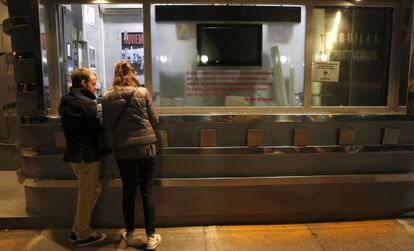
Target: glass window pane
x=405, y=47
x=44, y=30
x=351, y=56
x=200, y=63
x=97, y=36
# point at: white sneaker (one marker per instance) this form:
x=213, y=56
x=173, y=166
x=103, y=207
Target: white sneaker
x=129, y=238
x=153, y=241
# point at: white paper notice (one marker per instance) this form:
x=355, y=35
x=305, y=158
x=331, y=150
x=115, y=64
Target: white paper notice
x=325, y=72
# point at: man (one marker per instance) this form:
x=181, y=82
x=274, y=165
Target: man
x=82, y=130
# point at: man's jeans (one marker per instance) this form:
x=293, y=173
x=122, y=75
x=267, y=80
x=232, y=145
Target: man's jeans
x=90, y=189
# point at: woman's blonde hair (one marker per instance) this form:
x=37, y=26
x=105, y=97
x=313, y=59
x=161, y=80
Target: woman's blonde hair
x=124, y=75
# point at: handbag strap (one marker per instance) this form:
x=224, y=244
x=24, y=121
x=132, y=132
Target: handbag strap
x=123, y=109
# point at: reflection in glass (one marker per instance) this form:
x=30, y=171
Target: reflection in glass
x=405, y=46
x=191, y=78
x=351, y=56
x=98, y=35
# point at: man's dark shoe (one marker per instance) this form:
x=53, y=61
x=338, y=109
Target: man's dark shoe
x=73, y=238
x=95, y=238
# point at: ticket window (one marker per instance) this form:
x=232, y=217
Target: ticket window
x=207, y=61
x=97, y=36
x=351, y=56
x=279, y=67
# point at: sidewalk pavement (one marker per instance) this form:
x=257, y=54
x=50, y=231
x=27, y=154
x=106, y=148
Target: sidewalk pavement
x=375, y=235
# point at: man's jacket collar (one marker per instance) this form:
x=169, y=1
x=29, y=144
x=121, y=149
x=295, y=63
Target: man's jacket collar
x=83, y=91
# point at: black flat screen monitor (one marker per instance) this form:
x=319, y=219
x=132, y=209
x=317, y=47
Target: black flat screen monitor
x=229, y=44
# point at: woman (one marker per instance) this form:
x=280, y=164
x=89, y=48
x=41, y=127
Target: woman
x=129, y=119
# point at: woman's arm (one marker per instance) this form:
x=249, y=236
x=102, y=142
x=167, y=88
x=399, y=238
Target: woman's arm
x=107, y=125
x=151, y=110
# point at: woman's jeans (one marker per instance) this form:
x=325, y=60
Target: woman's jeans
x=138, y=171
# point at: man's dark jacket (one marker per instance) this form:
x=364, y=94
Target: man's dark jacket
x=81, y=126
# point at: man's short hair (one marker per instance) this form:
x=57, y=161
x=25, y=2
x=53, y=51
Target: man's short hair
x=79, y=75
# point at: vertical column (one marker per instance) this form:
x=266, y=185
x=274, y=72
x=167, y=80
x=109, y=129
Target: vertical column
x=410, y=94
x=23, y=28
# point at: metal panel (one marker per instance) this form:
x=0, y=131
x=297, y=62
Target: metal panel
x=20, y=39
x=208, y=137
x=283, y=118
x=280, y=134
x=234, y=183
x=163, y=137
x=234, y=13
x=254, y=137
x=301, y=137
x=346, y=136
x=391, y=136
x=60, y=140
x=28, y=67
x=41, y=135
x=53, y=167
x=244, y=162
x=190, y=205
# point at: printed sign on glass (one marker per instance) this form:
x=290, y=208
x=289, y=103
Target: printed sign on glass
x=133, y=50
